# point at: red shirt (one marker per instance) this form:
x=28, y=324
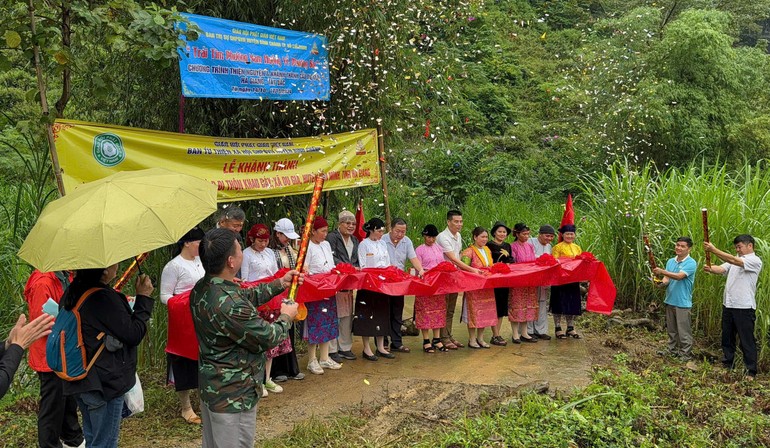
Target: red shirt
x=40, y=286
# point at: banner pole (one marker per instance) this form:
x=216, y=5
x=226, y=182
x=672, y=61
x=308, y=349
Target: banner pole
x=383, y=169
x=44, y=104
x=181, y=114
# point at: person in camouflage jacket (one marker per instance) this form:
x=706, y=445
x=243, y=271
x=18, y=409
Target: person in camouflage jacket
x=232, y=341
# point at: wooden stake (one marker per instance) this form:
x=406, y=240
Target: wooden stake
x=383, y=169
x=44, y=102
x=705, y=214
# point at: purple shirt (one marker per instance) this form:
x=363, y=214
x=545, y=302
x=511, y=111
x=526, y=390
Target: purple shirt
x=523, y=252
x=430, y=256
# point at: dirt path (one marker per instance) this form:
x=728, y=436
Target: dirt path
x=431, y=386
x=417, y=390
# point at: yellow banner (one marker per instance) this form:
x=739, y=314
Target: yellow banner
x=240, y=168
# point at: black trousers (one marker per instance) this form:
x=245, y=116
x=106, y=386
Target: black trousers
x=57, y=417
x=396, y=320
x=739, y=322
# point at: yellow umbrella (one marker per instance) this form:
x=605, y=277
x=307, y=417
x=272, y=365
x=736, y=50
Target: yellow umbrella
x=118, y=217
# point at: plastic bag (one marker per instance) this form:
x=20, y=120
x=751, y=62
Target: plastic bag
x=134, y=399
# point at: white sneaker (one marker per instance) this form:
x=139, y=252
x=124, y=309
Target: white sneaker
x=272, y=387
x=264, y=391
x=330, y=364
x=314, y=367
x=82, y=445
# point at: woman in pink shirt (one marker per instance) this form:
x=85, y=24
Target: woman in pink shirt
x=430, y=311
x=523, y=302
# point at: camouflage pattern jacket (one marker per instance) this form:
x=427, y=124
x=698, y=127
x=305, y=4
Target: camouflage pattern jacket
x=232, y=341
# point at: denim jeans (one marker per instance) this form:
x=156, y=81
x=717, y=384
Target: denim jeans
x=101, y=419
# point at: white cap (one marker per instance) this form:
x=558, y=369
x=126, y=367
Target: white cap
x=285, y=226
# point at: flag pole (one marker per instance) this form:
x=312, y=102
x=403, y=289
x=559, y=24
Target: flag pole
x=383, y=169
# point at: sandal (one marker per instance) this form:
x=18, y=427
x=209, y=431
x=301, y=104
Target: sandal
x=457, y=343
x=450, y=346
x=427, y=347
x=473, y=346
x=571, y=333
x=402, y=349
x=438, y=345
x=191, y=418
x=560, y=333
x=482, y=344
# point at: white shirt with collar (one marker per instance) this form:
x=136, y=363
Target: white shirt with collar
x=741, y=286
x=450, y=242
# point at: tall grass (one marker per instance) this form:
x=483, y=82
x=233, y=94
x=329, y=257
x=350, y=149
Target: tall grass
x=626, y=202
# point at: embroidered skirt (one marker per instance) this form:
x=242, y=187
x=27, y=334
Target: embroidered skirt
x=430, y=312
x=479, y=309
x=321, y=324
x=523, y=306
x=285, y=345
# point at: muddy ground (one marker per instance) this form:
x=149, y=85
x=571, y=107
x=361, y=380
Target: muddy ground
x=416, y=391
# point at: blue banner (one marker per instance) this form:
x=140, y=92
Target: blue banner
x=240, y=60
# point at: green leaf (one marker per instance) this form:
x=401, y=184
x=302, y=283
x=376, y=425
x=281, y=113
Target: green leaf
x=159, y=20
x=12, y=39
x=61, y=57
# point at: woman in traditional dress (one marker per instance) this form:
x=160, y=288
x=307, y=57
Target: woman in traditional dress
x=372, y=312
x=321, y=325
x=285, y=366
x=501, y=253
x=522, y=306
x=430, y=311
x=180, y=275
x=565, y=299
x=479, y=309
x=259, y=262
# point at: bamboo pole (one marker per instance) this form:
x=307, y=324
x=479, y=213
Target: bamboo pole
x=383, y=169
x=44, y=102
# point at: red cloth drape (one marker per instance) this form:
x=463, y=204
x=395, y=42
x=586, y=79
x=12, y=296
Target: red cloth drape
x=443, y=279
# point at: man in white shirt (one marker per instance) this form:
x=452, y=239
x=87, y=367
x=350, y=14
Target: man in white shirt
x=400, y=249
x=452, y=244
x=542, y=245
x=739, y=305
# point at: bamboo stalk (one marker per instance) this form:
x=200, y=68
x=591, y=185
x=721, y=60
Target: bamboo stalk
x=705, y=214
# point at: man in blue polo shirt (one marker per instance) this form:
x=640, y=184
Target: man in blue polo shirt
x=678, y=279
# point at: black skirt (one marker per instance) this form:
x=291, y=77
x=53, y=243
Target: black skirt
x=182, y=372
x=501, y=301
x=286, y=364
x=565, y=299
x=372, y=314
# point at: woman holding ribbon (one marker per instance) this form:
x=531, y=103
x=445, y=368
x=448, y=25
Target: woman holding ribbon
x=281, y=242
x=501, y=253
x=372, y=312
x=565, y=299
x=260, y=262
x=180, y=275
x=479, y=310
x=321, y=325
x=522, y=306
x=430, y=311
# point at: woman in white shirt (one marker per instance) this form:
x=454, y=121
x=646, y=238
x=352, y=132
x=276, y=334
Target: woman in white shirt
x=180, y=275
x=260, y=262
x=321, y=325
x=372, y=314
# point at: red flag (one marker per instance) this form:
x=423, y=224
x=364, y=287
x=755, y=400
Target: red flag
x=359, y=232
x=569, y=214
